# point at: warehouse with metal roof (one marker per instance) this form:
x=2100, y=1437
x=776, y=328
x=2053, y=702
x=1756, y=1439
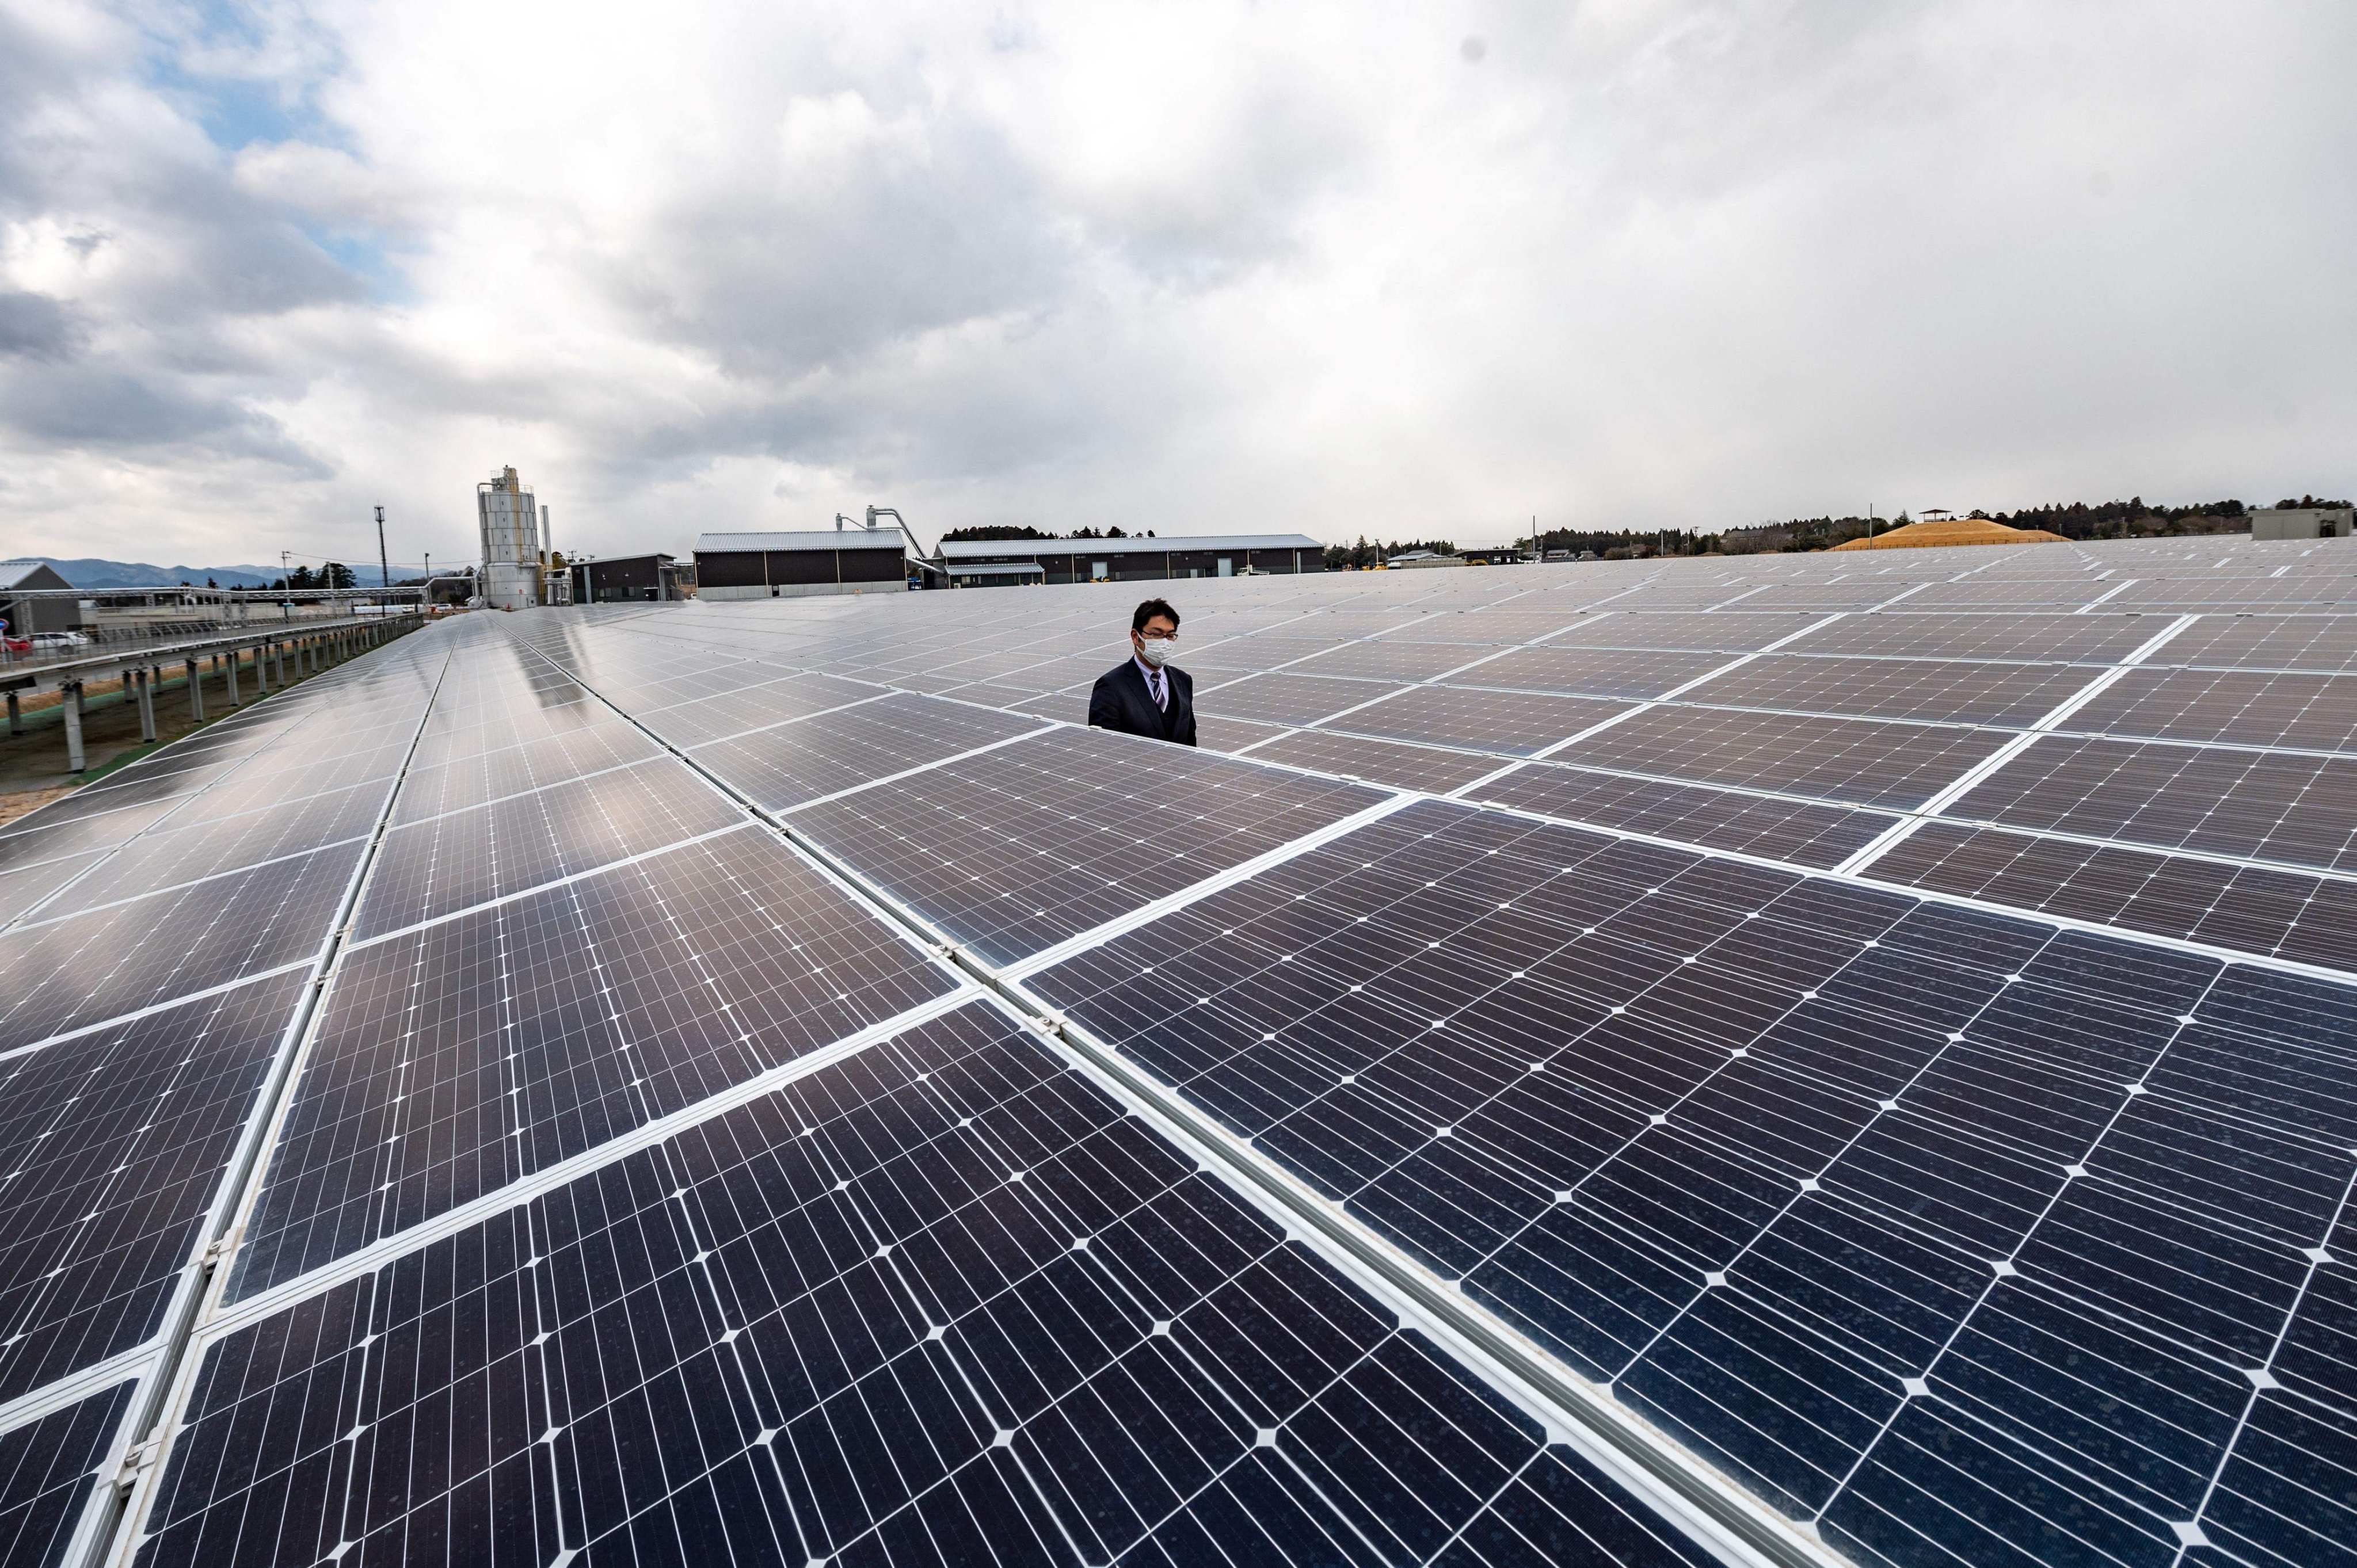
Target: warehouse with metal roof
x=787, y=565
x=978, y=562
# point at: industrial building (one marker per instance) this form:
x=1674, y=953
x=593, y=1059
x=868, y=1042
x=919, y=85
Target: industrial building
x=510, y=523
x=985, y=563
x=2303, y=522
x=27, y=616
x=625, y=579
x=791, y=565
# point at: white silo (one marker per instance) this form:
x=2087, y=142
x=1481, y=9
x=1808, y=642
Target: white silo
x=510, y=524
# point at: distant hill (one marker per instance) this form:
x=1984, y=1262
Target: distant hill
x=95, y=573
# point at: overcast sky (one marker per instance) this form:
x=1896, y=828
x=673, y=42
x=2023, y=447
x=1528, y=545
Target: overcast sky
x=1399, y=270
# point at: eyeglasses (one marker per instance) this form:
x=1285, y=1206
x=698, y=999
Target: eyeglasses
x=1159, y=636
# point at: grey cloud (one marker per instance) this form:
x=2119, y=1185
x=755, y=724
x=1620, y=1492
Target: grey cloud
x=768, y=277
x=1284, y=148
x=35, y=327
x=94, y=407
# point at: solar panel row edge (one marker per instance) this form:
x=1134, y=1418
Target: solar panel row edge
x=109, y=1406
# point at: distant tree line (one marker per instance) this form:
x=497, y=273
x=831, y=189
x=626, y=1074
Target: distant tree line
x=1627, y=544
x=334, y=575
x=996, y=530
x=1347, y=557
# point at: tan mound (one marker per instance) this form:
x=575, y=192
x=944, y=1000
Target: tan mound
x=1953, y=531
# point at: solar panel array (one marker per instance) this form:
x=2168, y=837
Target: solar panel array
x=1772, y=1059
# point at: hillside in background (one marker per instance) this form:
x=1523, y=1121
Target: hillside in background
x=96, y=573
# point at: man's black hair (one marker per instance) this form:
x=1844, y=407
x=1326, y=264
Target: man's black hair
x=1149, y=609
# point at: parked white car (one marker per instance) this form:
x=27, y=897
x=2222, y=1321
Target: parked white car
x=57, y=641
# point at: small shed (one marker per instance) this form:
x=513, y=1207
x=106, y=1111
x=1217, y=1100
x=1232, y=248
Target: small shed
x=24, y=615
x=625, y=579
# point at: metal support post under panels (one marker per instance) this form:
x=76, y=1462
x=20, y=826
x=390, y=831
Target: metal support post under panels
x=196, y=693
x=146, y=690
x=71, y=696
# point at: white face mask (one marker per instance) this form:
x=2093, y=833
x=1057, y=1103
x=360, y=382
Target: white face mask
x=1156, y=650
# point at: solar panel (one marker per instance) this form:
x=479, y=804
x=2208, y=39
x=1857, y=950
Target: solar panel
x=2325, y=643
x=427, y=869
x=792, y=764
x=1511, y=724
x=449, y=1129
x=49, y=1466
x=1589, y=672
x=1727, y=632
x=2245, y=909
x=428, y=791
x=1287, y=699
x=2297, y=810
x=1902, y=632
x=1828, y=1233
x=114, y=1141
x=1858, y=761
x=167, y=855
x=2305, y=713
x=1018, y=848
x=82, y=969
x=1215, y=733
x=1385, y=660
x=1939, y=690
x=1803, y=833
x=943, y=1303
x=687, y=724
x=464, y=1055
x=1397, y=764
x=47, y=838
x=23, y=888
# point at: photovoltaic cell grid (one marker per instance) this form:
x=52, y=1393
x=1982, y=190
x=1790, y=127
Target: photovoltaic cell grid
x=792, y=764
x=2294, y=809
x=431, y=868
x=150, y=990
x=1017, y=849
x=943, y=1302
x=462, y=1056
x=2245, y=909
x=1803, y=833
x=47, y=1466
x=1759, y=788
x=1873, y=1202
x=116, y=1143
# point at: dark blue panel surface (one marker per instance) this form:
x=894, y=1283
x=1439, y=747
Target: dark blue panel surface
x=48, y=1469
x=1852, y=1193
x=458, y=1058
x=939, y=1302
x=112, y=1146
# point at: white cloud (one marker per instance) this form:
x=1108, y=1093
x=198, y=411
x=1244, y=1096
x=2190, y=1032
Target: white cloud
x=1652, y=262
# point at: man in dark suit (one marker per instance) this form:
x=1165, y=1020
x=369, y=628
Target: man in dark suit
x=1147, y=694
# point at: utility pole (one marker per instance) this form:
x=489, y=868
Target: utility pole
x=384, y=568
